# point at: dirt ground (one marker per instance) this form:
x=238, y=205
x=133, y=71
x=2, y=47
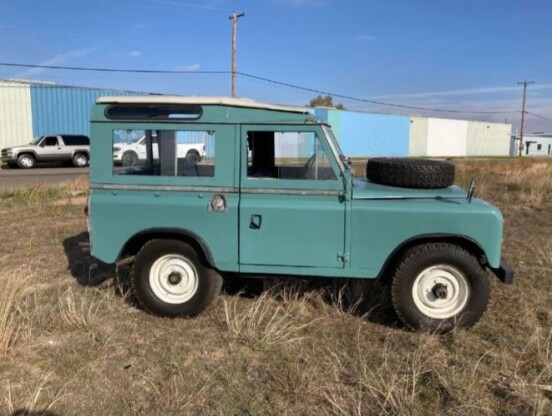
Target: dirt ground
x=72, y=341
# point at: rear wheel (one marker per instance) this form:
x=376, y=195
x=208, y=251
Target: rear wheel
x=129, y=159
x=192, y=157
x=168, y=279
x=438, y=286
x=80, y=160
x=26, y=161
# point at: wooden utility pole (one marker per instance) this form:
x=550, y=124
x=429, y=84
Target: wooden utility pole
x=524, y=83
x=234, y=17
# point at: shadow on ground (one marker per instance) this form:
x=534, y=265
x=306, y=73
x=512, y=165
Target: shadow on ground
x=24, y=412
x=356, y=296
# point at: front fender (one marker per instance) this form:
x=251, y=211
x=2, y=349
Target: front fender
x=380, y=227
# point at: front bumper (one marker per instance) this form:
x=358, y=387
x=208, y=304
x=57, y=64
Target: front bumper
x=8, y=157
x=504, y=273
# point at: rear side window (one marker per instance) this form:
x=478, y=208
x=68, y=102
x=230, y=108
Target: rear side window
x=76, y=140
x=164, y=153
x=153, y=112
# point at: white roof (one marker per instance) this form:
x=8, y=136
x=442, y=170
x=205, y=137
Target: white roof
x=169, y=99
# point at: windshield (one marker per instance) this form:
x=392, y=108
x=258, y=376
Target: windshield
x=35, y=140
x=341, y=159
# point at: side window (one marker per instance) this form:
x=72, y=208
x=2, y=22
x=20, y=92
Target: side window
x=76, y=140
x=287, y=155
x=50, y=141
x=164, y=153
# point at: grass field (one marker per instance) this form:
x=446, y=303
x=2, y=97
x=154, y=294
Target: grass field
x=73, y=343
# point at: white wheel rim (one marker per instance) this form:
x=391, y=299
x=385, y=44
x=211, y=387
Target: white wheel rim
x=430, y=282
x=81, y=161
x=173, y=279
x=26, y=161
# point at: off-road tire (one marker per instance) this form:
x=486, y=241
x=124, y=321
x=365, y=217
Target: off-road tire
x=420, y=258
x=193, y=157
x=21, y=161
x=78, y=158
x=209, y=282
x=129, y=159
x=410, y=173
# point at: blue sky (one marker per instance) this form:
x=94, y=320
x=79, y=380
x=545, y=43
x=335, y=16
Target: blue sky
x=465, y=55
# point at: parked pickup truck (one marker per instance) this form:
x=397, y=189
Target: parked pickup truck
x=277, y=197
x=133, y=152
x=69, y=148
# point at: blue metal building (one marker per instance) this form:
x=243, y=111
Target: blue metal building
x=63, y=109
x=368, y=134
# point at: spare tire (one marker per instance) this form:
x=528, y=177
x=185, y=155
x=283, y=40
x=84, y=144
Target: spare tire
x=410, y=173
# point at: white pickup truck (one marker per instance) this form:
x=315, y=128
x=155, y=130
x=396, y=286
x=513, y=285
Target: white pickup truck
x=131, y=153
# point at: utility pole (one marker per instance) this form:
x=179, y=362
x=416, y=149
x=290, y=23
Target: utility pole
x=524, y=83
x=234, y=17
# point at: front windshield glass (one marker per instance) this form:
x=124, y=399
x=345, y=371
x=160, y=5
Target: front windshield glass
x=35, y=140
x=335, y=147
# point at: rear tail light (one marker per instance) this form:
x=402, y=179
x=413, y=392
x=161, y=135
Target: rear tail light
x=86, y=210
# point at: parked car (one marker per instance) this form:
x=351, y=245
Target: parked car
x=133, y=152
x=245, y=210
x=69, y=148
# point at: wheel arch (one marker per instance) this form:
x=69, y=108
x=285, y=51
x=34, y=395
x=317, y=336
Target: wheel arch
x=86, y=152
x=134, y=243
x=26, y=152
x=467, y=243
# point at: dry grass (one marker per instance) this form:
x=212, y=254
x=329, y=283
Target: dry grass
x=298, y=347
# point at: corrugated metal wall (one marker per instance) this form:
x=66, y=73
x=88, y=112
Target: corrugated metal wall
x=418, y=136
x=59, y=109
x=366, y=134
x=488, y=139
x=15, y=114
x=446, y=137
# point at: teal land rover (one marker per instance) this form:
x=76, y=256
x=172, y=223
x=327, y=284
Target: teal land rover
x=274, y=195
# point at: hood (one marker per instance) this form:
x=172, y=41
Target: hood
x=22, y=146
x=364, y=189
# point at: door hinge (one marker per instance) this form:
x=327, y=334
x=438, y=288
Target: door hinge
x=343, y=257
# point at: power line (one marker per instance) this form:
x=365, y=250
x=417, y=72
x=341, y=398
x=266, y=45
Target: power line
x=539, y=116
x=256, y=77
x=136, y=71
x=347, y=97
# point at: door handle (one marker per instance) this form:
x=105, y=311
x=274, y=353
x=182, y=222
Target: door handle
x=255, y=221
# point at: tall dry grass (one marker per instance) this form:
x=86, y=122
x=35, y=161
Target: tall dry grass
x=13, y=285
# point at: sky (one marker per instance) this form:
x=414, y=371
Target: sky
x=464, y=55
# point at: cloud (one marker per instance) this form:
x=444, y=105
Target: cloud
x=366, y=37
x=57, y=60
x=135, y=54
x=188, y=68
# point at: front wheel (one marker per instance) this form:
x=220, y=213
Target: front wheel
x=168, y=279
x=438, y=286
x=26, y=161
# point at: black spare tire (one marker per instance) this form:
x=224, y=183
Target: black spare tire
x=410, y=173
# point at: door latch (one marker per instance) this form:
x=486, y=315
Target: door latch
x=255, y=221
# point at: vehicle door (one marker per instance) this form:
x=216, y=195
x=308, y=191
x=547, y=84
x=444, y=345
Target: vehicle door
x=50, y=149
x=292, y=210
